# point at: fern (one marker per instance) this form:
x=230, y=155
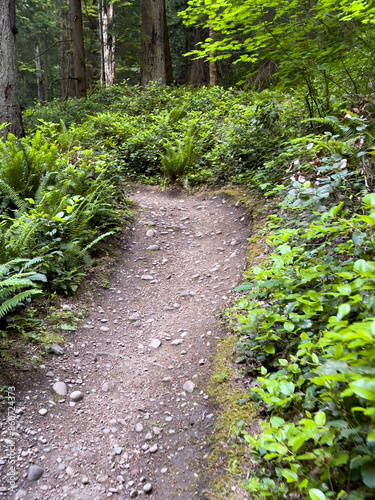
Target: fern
x=10, y=304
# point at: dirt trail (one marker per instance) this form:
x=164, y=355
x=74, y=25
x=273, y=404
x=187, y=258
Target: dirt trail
x=148, y=340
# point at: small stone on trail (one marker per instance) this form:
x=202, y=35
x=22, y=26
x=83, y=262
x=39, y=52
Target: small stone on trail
x=55, y=349
x=153, y=449
x=163, y=470
x=189, y=386
x=138, y=427
x=153, y=248
x=76, y=396
x=155, y=343
x=117, y=450
x=148, y=436
x=20, y=494
x=177, y=341
x=85, y=480
x=149, y=223
x=133, y=493
x=104, y=329
x=43, y=411
x=146, y=277
x=50, y=374
x=147, y=488
x=150, y=233
x=34, y=473
x=60, y=388
x=134, y=317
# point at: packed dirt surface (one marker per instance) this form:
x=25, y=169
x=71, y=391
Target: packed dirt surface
x=132, y=418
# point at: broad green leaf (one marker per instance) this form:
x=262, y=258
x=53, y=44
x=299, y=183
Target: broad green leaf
x=316, y=494
x=368, y=474
x=320, y=418
x=269, y=348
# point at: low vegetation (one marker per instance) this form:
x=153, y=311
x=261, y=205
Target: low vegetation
x=304, y=317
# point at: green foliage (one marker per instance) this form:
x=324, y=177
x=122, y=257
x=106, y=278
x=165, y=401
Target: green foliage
x=307, y=322
x=147, y=131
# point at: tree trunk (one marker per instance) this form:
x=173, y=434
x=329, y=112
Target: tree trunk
x=45, y=79
x=78, y=50
x=198, y=71
x=38, y=67
x=62, y=52
x=10, y=103
x=212, y=64
x=107, y=44
x=155, y=44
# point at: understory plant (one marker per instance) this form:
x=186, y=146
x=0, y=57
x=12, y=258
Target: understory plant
x=306, y=321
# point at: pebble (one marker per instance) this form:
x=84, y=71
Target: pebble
x=133, y=493
x=189, y=386
x=157, y=430
x=148, y=436
x=149, y=223
x=77, y=396
x=20, y=494
x=117, y=450
x=138, y=427
x=55, y=349
x=147, y=488
x=134, y=317
x=146, y=277
x=43, y=411
x=104, y=329
x=69, y=471
x=153, y=248
x=177, y=341
x=49, y=375
x=153, y=449
x=60, y=388
x=85, y=480
x=163, y=470
x=155, y=343
x=34, y=473
x=150, y=233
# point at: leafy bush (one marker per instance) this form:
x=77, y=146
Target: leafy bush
x=307, y=322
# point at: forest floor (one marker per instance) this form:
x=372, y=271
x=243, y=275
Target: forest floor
x=139, y=422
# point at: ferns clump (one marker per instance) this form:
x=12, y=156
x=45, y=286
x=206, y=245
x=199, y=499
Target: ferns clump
x=178, y=158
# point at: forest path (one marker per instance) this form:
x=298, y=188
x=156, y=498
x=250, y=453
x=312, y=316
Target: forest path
x=147, y=342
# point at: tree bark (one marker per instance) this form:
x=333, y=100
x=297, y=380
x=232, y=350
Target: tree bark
x=10, y=103
x=198, y=70
x=78, y=50
x=107, y=43
x=212, y=64
x=45, y=76
x=62, y=54
x=38, y=67
x=155, y=56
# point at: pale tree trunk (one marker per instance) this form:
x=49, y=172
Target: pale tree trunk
x=107, y=44
x=212, y=64
x=38, y=72
x=45, y=79
x=78, y=50
x=10, y=103
x=155, y=65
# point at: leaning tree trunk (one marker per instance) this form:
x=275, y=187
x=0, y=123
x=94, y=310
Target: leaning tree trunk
x=107, y=44
x=78, y=50
x=10, y=103
x=155, y=46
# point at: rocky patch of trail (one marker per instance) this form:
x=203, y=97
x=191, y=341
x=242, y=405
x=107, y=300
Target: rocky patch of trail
x=123, y=412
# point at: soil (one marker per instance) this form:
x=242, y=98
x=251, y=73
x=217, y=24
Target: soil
x=147, y=341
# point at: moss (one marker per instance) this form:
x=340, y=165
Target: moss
x=227, y=452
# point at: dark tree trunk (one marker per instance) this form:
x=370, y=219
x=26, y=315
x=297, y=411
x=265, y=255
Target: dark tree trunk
x=10, y=103
x=199, y=68
x=212, y=64
x=78, y=50
x=155, y=55
x=45, y=76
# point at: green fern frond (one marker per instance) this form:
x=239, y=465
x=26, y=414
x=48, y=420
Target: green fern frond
x=12, y=303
